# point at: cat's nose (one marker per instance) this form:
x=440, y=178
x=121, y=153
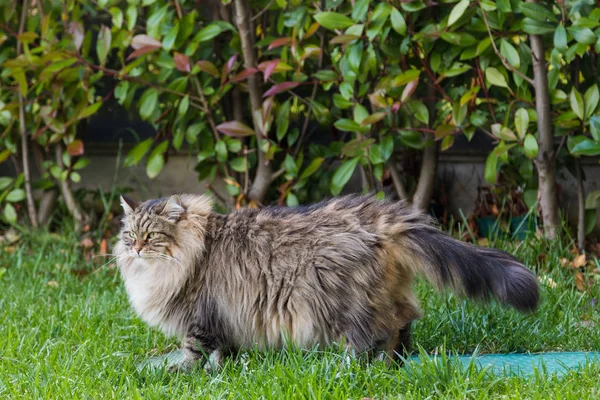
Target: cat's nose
x=138, y=247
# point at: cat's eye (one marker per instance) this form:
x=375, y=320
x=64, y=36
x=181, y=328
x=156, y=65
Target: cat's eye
x=152, y=235
x=131, y=235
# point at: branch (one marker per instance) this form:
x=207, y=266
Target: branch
x=117, y=74
x=209, y=116
x=397, y=179
x=31, y=210
x=257, y=16
x=262, y=180
x=66, y=192
x=500, y=56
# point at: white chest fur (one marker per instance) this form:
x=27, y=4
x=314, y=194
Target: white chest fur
x=150, y=288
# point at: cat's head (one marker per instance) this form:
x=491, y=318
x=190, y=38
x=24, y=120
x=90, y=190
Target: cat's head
x=150, y=228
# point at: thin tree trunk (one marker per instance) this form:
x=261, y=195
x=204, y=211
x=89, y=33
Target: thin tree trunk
x=243, y=15
x=575, y=70
x=66, y=192
x=427, y=174
x=580, y=207
x=31, y=210
x=397, y=179
x=545, y=162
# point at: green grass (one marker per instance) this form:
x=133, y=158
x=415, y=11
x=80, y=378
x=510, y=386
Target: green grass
x=78, y=338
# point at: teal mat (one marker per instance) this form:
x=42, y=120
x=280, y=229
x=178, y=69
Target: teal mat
x=558, y=363
x=507, y=364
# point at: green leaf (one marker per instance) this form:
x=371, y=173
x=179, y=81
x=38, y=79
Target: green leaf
x=592, y=200
x=582, y=35
x=332, y=20
x=75, y=177
x=169, y=39
x=148, y=103
x=291, y=200
x=375, y=155
x=577, y=103
x=590, y=221
x=184, y=105
x=495, y=77
x=117, y=17
x=537, y=12
x=131, y=17
x=283, y=120
x=340, y=102
x=530, y=146
x=155, y=165
x=290, y=165
x=312, y=168
x=510, y=53
x=16, y=195
x=342, y=175
x=326, y=75
x=347, y=125
x=136, y=154
x=359, y=12
x=521, y=121
x=211, y=31
x=583, y=146
x=398, y=22
x=590, y=99
x=154, y=21
x=491, y=168
x=89, y=110
x=560, y=38
x=103, y=44
x=192, y=132
x=534, y=27
x=81, y=163
x=10, y=214
x=360, y=113
x=239, y=164
x=221, y=150
x=4, y=154
x=595, y=127
x=419, y=111
x=457, y=11
x=387, y=147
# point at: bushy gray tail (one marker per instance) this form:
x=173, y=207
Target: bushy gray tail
x=478, y=272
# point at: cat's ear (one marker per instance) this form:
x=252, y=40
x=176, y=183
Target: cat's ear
x=128, y=205
x=173, y=209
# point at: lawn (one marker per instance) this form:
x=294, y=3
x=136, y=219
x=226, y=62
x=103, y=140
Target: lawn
x=67, y=332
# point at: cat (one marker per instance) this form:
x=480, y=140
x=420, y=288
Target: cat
x=339, y=270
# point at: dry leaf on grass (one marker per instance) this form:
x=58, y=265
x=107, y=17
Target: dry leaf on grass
x=579, y=261
x=580, y=282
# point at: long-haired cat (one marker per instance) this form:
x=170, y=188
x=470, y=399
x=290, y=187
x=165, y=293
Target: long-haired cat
x=338, y=270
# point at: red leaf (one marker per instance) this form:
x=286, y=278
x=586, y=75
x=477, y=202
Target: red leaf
x=140, y=52
x=75, y=148
x=76, y=30
x=280, y=42
x=139, y=41
x=231, y=62
x=269, y=68
x=244, y=75
x=235, y=128
x=208, y=67
x=280, y=87
x=409, y=89
x=182, y=62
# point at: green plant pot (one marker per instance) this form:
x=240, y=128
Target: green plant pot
x=488, y=226
x=521, y=226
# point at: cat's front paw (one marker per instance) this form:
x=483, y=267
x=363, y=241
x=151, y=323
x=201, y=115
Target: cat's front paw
x=214, y=362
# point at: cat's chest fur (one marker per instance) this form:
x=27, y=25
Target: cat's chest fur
x=151, y=287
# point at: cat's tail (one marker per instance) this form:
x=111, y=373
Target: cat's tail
x=477, y=272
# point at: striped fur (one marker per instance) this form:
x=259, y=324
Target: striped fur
x=312, y=275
